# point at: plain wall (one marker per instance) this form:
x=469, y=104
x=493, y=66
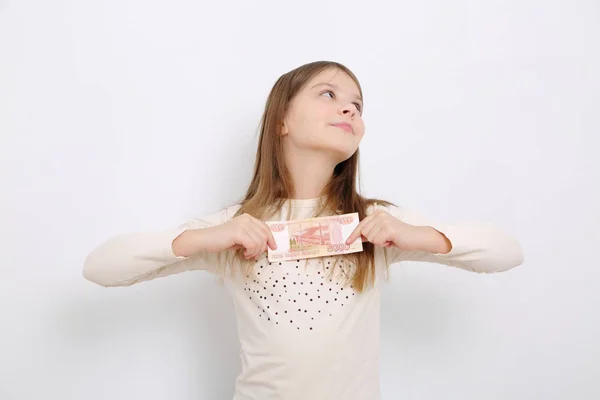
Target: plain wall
x=128, y=115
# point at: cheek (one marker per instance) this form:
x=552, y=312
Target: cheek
x=360, y=130
x=310, y=121
x=297, y=124
x=318, y=115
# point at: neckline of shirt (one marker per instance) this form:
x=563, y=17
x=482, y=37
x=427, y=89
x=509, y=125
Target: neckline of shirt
x=303, y=203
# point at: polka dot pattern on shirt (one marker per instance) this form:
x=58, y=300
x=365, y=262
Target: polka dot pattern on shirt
x=300, y=293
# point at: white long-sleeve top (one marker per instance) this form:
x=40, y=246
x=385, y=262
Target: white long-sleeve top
x=303, y=334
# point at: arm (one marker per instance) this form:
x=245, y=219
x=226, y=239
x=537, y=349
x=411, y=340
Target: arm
x=482, y=248
x=131, y=258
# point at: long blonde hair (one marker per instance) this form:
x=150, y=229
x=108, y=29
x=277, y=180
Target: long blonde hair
x=272, y=184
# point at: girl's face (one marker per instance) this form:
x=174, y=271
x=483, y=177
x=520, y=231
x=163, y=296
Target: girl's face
x=326, y=116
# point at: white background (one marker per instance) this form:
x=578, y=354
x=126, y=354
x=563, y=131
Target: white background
x=129, y=115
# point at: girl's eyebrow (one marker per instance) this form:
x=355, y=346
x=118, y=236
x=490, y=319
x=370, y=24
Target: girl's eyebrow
x=334, y=87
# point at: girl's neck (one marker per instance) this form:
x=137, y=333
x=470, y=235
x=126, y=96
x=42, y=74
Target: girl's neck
x=310, y=174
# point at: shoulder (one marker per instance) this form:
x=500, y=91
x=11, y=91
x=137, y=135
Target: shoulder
x=373, y=205
x=215, y=217
x=407, y=215
x=231, y=211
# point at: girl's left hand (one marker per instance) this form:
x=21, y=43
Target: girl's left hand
x=383, y=229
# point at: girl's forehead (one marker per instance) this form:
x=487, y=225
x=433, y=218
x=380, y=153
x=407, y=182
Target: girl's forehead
x=332, y=76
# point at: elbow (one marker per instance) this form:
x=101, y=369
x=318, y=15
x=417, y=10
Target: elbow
x=519, y=256
x=106, y=265
x=509, y=257
x=98, y=271
x=93, y=273
x=513, y=254
x=506, y=255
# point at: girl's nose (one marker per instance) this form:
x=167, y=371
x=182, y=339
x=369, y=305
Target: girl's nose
x=348, y=109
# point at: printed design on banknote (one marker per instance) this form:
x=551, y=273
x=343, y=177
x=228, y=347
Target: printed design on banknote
x=315, y=237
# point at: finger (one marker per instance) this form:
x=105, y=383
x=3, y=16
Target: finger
x=265, y=232
x=373, y=234
x=262, y=236
x=385, y=236
x=270, y=238
x=358, y=230
x=261, y=245
x=252, y=243
x=384, y=239
x=271, y=241
x=354, y=235
x=244, y=240
x=266, y=237
x=369, y=228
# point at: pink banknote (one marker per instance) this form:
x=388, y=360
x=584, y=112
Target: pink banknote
x=314, y=237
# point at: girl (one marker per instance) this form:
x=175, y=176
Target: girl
x=309, y=329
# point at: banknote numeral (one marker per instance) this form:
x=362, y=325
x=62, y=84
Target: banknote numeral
x=277, y=227
x=346, y=220
x=338, y=247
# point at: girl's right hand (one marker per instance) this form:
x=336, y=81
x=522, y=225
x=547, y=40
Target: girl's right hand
x=243, y=231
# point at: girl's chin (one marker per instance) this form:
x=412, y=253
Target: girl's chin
x=338, y=151
x=343, y=155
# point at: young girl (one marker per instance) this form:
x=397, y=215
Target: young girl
x=309, y=329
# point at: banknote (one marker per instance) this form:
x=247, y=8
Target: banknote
x=314, y=237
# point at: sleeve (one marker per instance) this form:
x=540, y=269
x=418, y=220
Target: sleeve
x=482, y=248
x=131, y=258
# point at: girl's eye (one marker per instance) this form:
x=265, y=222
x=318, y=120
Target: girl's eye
x=357, y=105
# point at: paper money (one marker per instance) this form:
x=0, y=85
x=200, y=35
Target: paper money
x=314, y=237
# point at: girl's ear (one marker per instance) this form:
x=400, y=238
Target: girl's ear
x=284, y=129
